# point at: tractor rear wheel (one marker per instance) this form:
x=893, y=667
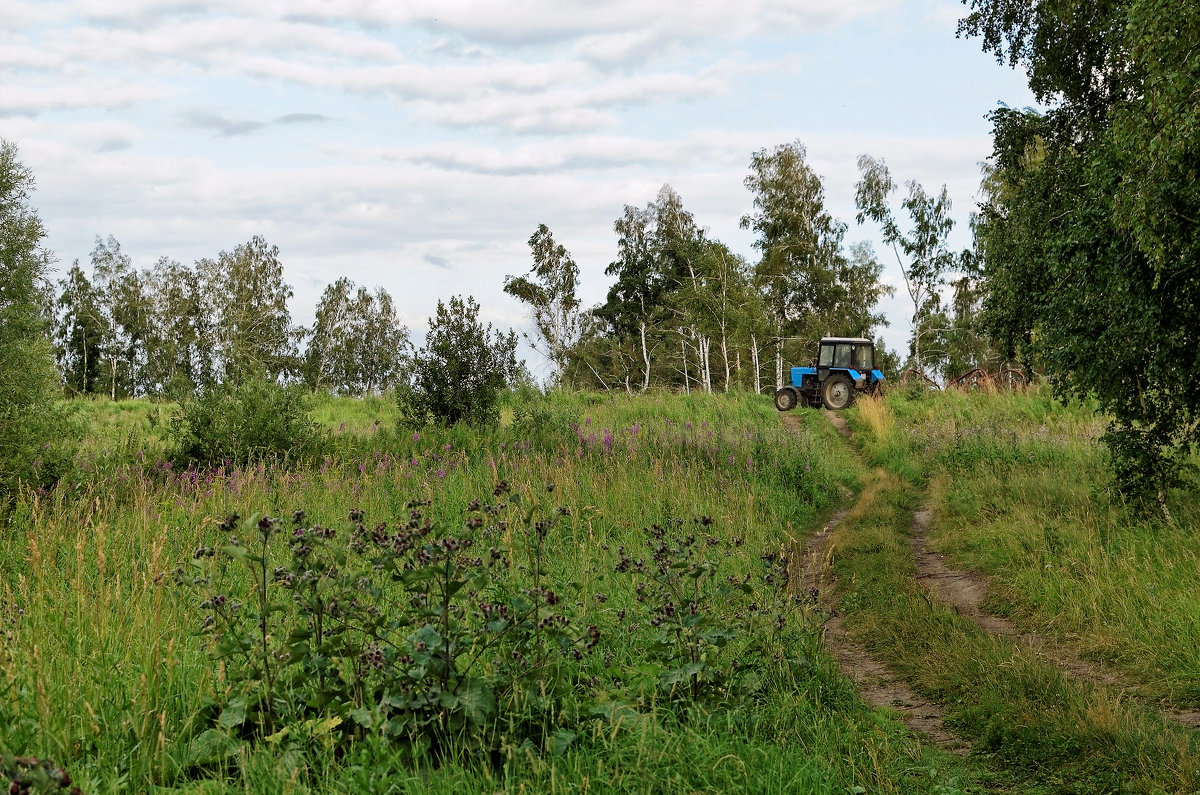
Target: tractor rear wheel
x=837, y=392
x=786, y=399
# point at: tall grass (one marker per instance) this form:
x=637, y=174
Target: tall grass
x=102, y=668
x=1021, y=490
x=1048, y=732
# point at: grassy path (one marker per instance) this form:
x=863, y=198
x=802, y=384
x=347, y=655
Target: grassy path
x=966, y=593
x=911, y=633
x=877, y=685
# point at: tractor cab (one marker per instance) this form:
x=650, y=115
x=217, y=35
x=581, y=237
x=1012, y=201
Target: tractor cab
x=845, y=366
x=846, y=354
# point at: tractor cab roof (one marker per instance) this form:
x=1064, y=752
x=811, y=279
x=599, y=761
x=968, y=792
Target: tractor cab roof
x=855, y=340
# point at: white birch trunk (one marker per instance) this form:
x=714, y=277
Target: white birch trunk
x=646, y=359
x=687, y=388
x=754, y=362
x=707, y=366
x=778, y=363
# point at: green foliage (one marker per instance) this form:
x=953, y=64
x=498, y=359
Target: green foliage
x=1089, y=233
x=458, y=373
x=125, y=318
x=924, y=246
x=80, y=332
x=357, y=345
x=695, y=609
x=551, y=294
x=809, y=284
x=253, y=420
x=247, y=299
x=179, y=347
x=36, y=437
x=411, y=632
x=681, y=310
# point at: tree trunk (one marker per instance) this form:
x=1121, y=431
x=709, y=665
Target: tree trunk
x=707, y=366
x=687, y=388
x=646, y=359
x=778, y=363
x=754, y=362
x=725, y=356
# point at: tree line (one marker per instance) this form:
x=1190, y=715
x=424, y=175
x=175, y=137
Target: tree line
x=171, y=330
x=683, y=312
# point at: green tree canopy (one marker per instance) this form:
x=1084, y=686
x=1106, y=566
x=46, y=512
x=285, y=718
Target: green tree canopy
x=810, y=286
x=248, y=301
x=458, y=373
x=1090, y=230
x=926, y=254
x=550, y=290
x=357, y=344
x=34, y=437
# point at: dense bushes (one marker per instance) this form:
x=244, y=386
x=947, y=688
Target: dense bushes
x=459, y=372
x=256, y=419
x=34, y=434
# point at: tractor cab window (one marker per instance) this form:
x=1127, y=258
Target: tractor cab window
x=864, y=359
x=826, y=359
x=841, y=355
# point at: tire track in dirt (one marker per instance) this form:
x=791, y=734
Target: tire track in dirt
x=817, y=586
x=965, y=591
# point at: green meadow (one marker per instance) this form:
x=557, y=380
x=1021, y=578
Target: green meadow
x=597, y=595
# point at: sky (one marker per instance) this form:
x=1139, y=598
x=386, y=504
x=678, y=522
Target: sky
x=416, y=145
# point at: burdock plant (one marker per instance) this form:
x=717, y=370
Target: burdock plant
x=698, y=613
x=409, y=629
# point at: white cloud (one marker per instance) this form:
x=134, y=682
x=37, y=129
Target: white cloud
x=31, y=97
x=418, y=144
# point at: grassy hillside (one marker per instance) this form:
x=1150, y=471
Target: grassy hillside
x=666, y=528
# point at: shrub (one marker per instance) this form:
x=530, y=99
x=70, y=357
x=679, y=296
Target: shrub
x=458, y=374
x=256, y=419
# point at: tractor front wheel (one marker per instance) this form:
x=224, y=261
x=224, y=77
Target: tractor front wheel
x=837, y=392
x=786, y=399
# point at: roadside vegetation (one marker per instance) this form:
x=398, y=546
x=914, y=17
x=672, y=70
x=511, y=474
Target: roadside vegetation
x=1019, y=491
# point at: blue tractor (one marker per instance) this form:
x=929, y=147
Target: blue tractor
x=844, y=368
